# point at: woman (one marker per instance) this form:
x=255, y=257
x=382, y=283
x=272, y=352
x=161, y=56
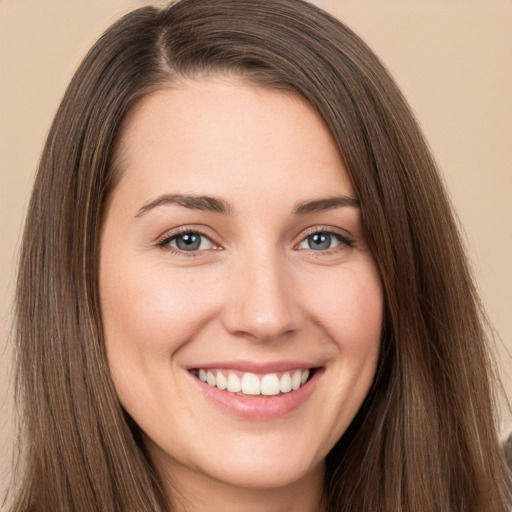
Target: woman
x=241, y=286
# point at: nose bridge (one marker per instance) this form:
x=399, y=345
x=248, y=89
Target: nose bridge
x=261, y=302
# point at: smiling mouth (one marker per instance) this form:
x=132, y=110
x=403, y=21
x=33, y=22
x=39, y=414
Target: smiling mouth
x=247, y=383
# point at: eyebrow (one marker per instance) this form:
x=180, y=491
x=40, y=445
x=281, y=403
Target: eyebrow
x=203, y=203
x=329, y=203
x=217, y=205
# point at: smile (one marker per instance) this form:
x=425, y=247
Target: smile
x=248, y=383
x=257, y=392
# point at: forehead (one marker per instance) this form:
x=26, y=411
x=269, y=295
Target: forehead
x=222, y=133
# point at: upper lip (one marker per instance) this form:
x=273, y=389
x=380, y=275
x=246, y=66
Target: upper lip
x=255, y=367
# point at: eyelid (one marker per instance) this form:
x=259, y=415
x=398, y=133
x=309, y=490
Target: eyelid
x=346, y=239
x=163, y=240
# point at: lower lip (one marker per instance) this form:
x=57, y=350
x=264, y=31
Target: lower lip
x=259, y=407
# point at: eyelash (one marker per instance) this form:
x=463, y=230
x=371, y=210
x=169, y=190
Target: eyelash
x=167, y=239
x=344, y=240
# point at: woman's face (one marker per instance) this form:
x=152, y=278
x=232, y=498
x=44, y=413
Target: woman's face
x=232, y=250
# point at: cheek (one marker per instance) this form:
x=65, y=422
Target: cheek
x=350, y=308
x=353, y=316
x=150, y=309
x=148, y=316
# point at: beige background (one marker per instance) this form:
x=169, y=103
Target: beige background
x=452, y=58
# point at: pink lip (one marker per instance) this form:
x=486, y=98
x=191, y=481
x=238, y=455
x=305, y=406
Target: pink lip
x=258, y=407
x=258, y=368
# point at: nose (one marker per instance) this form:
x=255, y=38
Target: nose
x=261, y=300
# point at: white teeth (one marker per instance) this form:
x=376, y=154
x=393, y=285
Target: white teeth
x=250, y=384
x=222, y=382
x=285, y=385
x=296, y=379
x=234, y=385
x=210, y=378
x=270, y=384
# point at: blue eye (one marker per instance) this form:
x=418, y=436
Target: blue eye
x=323, y=241
x=189, y=241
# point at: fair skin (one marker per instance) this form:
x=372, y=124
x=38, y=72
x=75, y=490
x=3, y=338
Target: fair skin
x=264, y=285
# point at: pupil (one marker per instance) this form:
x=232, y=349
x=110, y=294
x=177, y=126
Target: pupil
x=188, y=242
x=319, y=241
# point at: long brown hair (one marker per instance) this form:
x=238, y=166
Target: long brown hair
x=425, y=438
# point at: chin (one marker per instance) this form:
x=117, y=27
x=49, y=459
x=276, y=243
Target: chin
x=268, y=474
x=244, y=463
